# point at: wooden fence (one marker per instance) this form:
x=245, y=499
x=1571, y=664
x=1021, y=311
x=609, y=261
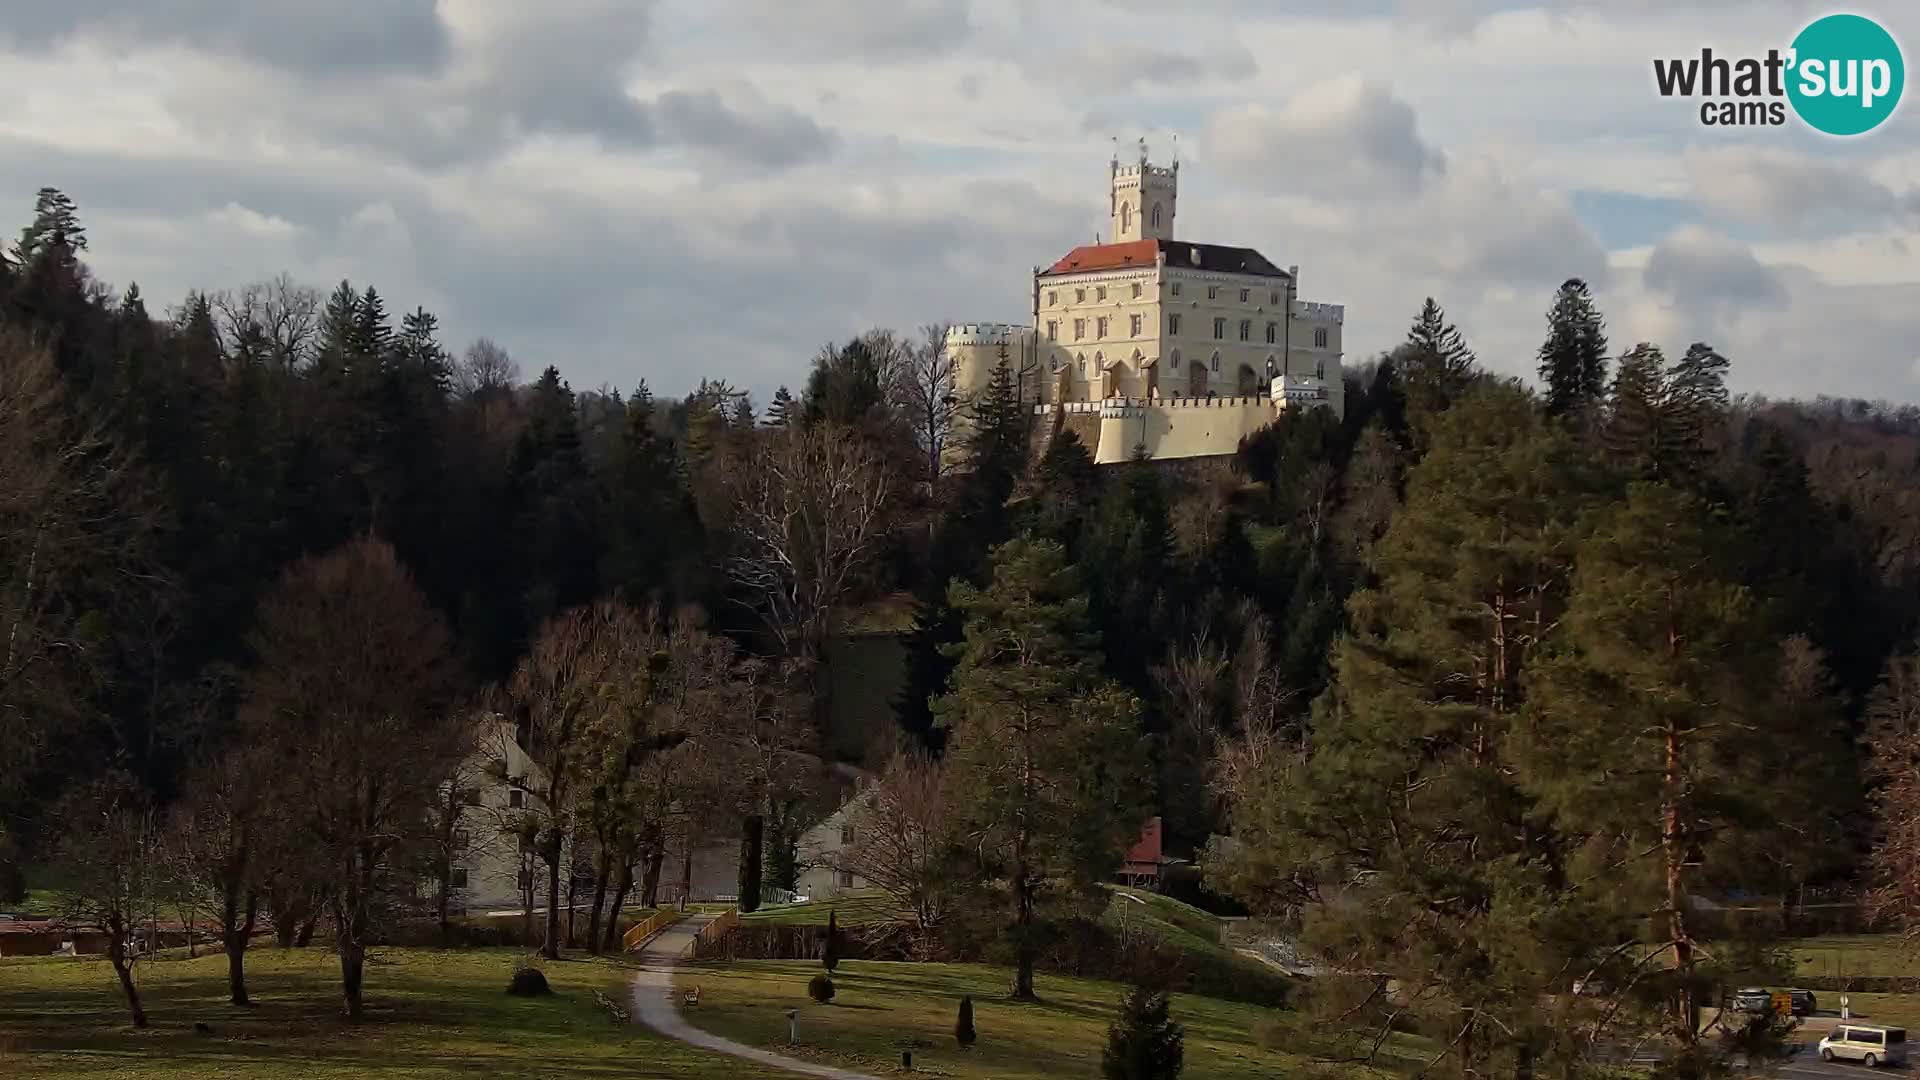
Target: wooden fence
x=638, y=934
x=708, y=942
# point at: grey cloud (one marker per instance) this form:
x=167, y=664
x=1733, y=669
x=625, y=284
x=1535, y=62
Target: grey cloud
x=1343, y=139
x=1702, y=269
x=867, y=28
x=333, y=36
x=1790, y=192
x=772, y=137
x=1122, y=66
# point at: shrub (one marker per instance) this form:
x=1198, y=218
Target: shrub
x=820, y=989
x=529, y=982
x=963, y=1032
x=1143, y=1043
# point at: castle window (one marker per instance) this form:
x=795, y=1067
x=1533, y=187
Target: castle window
x=1176, y=288
x=1133, y=325
x=1100, y=328
x=1175, y=361
x=1053, y=329
x=1100, y=293
x=1156, y=215
x=1243, y=295
x=1173, y=322
x=1083, y=363
x=1219, y=329
x=1246, y=329
x=1319, y=369
x=1215, y=362
x=1053, y=297
x=1213, y=292
x=1319, y=337
x=1079, y=329
x=1274, y=297
x=1136, y=290
x=1079, y=296
x=1126, y=217
x=1273, y=332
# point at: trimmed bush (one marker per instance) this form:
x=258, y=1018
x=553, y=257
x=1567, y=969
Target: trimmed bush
x=820, y=989
x=963, y=1032
x=529, y=982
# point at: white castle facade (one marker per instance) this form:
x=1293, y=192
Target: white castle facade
x=1179, y=348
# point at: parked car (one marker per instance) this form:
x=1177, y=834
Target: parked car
x=1804, y=1003
x=1751, y=999
x=1868, y=1044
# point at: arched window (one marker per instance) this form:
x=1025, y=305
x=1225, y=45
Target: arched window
x=1319, y=337
x=1083, y=363
x=1273, y=333
x=1215, y=362
x=1319, y=369
x=1156, y=215
x=1126, y=217
x=1175, y=360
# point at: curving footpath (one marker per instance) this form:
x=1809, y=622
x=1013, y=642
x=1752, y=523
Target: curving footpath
x=653, y=1004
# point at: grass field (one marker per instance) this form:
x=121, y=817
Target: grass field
x=1857, y=955
x=863, y=908
x=431, y=1013
x=880, y=1009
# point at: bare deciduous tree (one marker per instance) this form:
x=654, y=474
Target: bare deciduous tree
x=1893, y=732
x=110, y=860
x=899, y=837
x=279, y=317
x=354, y=690
x=927, y=393
x=809, y=512
x=486, y=371
x=218, y=836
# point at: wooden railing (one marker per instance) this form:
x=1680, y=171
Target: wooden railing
x=638, y=934
x=715, y=932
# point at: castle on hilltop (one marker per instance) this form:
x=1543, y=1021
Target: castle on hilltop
x=1147, y=341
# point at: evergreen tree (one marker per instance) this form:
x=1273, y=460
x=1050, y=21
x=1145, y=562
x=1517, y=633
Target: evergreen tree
x=1573, y=360
x=1662, y=417
x=830, y=952
x=1406, y=779
x=997, y=440
x=55, y=227
x=1434, y=366
x=1126, y=565
x=963, y=1032
x=1642, y=730
x=372, y=334
x=844, y=388
x=420, y=355
x=1044, y=756
x=1143, y=1044
x=655, y=545
x=784, y=409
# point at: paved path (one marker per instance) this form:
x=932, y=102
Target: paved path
x=653, y=1004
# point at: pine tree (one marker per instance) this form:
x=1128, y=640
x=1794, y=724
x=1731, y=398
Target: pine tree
x=1573, y=360
x=655, y=545
x=784, y=409
x=1641, y=729
x=420, y=354
x=997, y=440
x=1661, y=417
x=963, y=1032
x=1406, y=776
x=56, y=225
x=1434, y=366
x=1143, y=1044
x=372, y=335
x=1044, y=754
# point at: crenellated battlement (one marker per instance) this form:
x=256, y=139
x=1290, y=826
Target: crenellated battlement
x=1307, y=309
x=987, y=333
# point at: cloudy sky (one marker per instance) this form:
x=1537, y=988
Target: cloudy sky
x=675, y=188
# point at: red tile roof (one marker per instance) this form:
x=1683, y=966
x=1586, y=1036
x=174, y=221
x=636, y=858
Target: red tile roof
x=1232, y=260
x=1146, y=851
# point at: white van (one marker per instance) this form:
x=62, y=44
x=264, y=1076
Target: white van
x=1868, y=1044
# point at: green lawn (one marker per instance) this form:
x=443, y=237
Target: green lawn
x=431, y=1013
x=1862, y=954
x=879, y=1009
x=862, y=908
x=1172, y=921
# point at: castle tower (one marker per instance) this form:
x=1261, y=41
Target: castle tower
x=1143, y=198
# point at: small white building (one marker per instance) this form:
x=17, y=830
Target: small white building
x=821, y=877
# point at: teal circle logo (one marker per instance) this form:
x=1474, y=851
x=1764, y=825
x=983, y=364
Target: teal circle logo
x=1846, y=74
